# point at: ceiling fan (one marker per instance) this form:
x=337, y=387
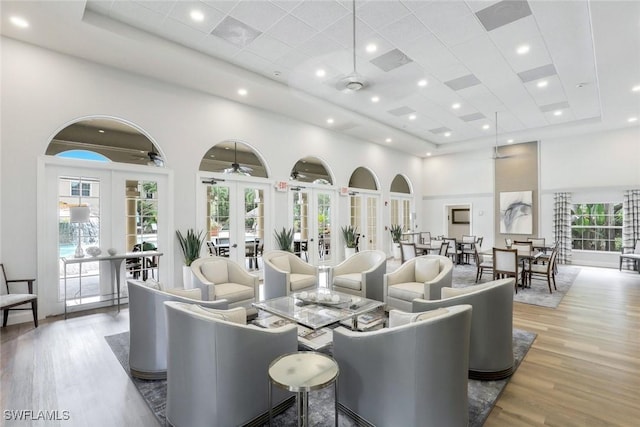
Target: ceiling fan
x=296, y=174
x=496, y=153
x=154, y=158
x=353, y=81
x=236, y=168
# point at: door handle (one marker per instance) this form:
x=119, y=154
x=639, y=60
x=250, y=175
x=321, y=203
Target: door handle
x=311, y=239
x=235, y=245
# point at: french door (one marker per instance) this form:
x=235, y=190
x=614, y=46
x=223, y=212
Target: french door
x=235, y=220
x=365, y=214
x=312, y=215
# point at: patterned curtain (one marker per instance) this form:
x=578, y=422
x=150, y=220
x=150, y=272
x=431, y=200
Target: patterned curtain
x=630, y=221
x=562, y=226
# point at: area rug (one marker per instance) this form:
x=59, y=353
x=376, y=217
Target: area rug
x=537, y=294
x=482, y=394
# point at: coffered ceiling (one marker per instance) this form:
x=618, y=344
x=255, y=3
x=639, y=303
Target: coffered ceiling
x=434, y=72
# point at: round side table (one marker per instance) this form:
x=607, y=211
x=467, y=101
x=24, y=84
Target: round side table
x=302, y=372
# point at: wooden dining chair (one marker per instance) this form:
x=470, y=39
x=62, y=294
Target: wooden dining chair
x=546, y=271
x=505, y=264
x=14, y=301
x=444, y=248
x=407, y=251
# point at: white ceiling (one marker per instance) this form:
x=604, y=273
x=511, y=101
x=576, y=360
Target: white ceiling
x=588, y=52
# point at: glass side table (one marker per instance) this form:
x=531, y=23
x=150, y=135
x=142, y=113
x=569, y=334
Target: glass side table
x=302, y=372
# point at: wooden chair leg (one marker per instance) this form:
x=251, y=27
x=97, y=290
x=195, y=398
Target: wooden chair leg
x=34, y=308
x=5, y=317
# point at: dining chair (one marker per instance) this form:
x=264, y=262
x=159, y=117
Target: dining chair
x=407, y=251
x=546, y=271
x=453, y=252
x=13, y=301
x=468, y=243
x=505, y=264
x=425, y=237
x=481, y=263
x=444, y=248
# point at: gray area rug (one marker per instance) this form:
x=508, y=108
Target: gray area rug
x=537, y=294
x=482, y=394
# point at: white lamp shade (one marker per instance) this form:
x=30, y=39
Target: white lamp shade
x=79, y=214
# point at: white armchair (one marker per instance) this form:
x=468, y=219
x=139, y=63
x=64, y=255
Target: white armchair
x=148, y=325
x=218, y=369
x=285, y=273
x=491, y=351
x=413, y=374
x=221, y=278
x=420, y=277
x=361, y=274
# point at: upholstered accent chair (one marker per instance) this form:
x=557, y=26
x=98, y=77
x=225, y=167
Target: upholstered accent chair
x=15, y=301
x=491, y=351
x=361, y=274
x=413, y=373
x=285, y=273
x=148, y=325
x=221, y=278
x=420, y=277
x=218, y=372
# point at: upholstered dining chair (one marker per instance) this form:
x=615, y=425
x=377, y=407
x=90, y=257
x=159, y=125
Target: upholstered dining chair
x=482, y=264
x=361, y=274
x=420, y=277
x=217, y=367
x=453, y=252
x=13, y=301
x=505, y=264
x=491, y=348
x=425, y=237
x=631, y=254
x=468, y=243
x=285, y=273
x=444, y=248
x=407, y=251
x=222, y=278
x=413, y=373
x=547, y=271
x=148, y=325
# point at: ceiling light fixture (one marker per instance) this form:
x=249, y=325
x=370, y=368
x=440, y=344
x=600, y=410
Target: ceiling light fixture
x=447, y=134
x=509, y=141
x=375, y=99
x=197, y=15
x=542, y=83
x=485, y=127
x=523, y=49
x=330, y=120
x=422, y=83
x=632, y=119
x=428, y=154
x=388, y=140
x=19, y=22
x=100, y=130
x=455, y=106
x=371, y=47
x=321, y=73
x=557, y=113
x=412, y=117
x=242, y=92
x=636, y=88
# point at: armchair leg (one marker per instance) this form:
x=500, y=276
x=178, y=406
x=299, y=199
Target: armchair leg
x=34, y=308
x=5, y=317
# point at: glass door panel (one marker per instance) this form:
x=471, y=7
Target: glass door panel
x=364, y=215
x=312, y=224
x=371, y=239
x=141, y=227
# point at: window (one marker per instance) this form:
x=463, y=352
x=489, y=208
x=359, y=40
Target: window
x=76, y=186
x=597, y=227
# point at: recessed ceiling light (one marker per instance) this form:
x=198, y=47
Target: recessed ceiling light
x=330, y=120
x=422, y=83
x=521, y=50
x=485, y=127
x=447, y=134
x=277, y=73
x=412, y=117
x=371, y=47
x=242, y=92
x=321, y=73
x=375, y=98
x=636, y=88
x=100, y=130
x=19, y=22
x=227, y=148
x=212, y=155
x=509, y=141
x=632, y=119
x=197, y=15
x=428, y=154
x=557, y=113
x=388, y=140
x=543, y=83
x=455, y=106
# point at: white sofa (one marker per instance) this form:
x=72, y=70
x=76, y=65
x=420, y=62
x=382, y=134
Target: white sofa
x=285, y=273
x=361, y=274
x=420, y=277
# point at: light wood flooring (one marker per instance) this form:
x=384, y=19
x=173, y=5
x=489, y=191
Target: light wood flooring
x=582, y=370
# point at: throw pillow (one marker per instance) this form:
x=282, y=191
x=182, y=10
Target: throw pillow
x=235, y=315
x=399, y=318
x=215, y=271
x=282, y=263
x=426, y=269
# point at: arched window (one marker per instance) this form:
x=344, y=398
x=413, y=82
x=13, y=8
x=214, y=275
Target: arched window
x=311, y=169
x=233, y=157
x=83, y=155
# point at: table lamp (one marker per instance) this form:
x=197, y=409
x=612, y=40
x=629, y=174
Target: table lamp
x=79, y=215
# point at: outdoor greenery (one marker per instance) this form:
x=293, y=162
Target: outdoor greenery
x=396, y=233
x=284, y=239
x=597, y=227
x=190, y=244
x=349, y=233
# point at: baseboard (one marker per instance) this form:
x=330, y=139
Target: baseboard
x=263, y=419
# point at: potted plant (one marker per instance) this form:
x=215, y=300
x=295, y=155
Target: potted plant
x=284, y=239
x=190, y=245
x=396, y=235
x=349, y=233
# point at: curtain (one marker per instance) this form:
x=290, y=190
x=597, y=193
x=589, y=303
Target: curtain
x=630, y=222
x=562, y=226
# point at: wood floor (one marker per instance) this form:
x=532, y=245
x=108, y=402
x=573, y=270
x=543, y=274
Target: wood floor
x=582, y=370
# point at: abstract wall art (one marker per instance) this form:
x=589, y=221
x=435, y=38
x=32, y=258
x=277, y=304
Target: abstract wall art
x=516, y=212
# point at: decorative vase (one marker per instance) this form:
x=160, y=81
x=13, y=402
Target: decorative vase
x=348, y=252
x=396, y=251
x=187, y=277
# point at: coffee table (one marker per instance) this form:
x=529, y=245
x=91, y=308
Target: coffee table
x=319, y=308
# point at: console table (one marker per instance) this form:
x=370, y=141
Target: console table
x=116, y=264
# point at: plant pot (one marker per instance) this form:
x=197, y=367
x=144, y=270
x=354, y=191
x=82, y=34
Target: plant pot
x=348, y=252
x=396, y=251
x=187, y=277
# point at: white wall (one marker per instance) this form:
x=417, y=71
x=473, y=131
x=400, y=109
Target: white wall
x=43, y=91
